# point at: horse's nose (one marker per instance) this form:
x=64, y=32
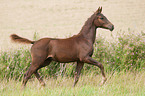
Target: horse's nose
x=112, y=28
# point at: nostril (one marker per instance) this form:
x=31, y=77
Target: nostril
x=112, y=27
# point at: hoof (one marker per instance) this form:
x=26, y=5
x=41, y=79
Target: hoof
x=43, y=84
x=103, y=81
x=23, y=87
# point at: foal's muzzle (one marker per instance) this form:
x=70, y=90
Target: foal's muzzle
x=111, y=27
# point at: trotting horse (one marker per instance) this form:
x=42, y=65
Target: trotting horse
x=78, y=48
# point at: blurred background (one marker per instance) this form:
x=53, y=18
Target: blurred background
x=64, y=18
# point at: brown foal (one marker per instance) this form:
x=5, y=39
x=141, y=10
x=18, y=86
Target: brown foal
x=78, y=48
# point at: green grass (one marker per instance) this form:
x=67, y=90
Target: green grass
x=123, y=61
x=126, y=54
x=120, y=84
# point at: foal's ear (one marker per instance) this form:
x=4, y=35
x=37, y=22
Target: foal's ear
x=99, y=10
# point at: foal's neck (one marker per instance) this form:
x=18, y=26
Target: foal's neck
x=88, y=31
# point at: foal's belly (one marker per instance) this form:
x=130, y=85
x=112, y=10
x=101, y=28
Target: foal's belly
x=63, y=50
x=65, y=57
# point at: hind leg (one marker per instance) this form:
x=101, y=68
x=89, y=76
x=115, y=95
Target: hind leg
x=28, y=74
x=46, y=62
x=39, y=78
x=33, y=69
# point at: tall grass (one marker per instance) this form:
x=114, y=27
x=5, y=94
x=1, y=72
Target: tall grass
x=120, y=84
x=127, y=53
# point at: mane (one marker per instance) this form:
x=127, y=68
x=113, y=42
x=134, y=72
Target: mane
x=88, y=23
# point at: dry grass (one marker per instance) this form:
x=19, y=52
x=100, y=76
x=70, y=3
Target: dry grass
x=120, y=84
x=65, y=18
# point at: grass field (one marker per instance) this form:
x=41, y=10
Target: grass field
x=125, y=73
x=122, y=52
x=119, y=84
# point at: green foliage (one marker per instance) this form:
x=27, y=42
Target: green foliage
x=126, y=54
x=14, y=64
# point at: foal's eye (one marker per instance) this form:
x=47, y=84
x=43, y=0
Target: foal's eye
x=102, y=18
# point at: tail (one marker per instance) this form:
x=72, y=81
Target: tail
x=19, y=39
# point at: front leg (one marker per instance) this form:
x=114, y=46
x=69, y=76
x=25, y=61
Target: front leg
x=78, y=71
x=91, y=61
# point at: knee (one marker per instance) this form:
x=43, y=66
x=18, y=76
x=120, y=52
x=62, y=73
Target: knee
x=76, y=76
x=25, y=77
x=100, y=65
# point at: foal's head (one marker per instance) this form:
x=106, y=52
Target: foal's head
x=101, y=21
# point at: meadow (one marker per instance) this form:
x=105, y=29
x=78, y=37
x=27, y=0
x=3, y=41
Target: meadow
x=122, y=52
x=120, y=84
x=123, y=61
